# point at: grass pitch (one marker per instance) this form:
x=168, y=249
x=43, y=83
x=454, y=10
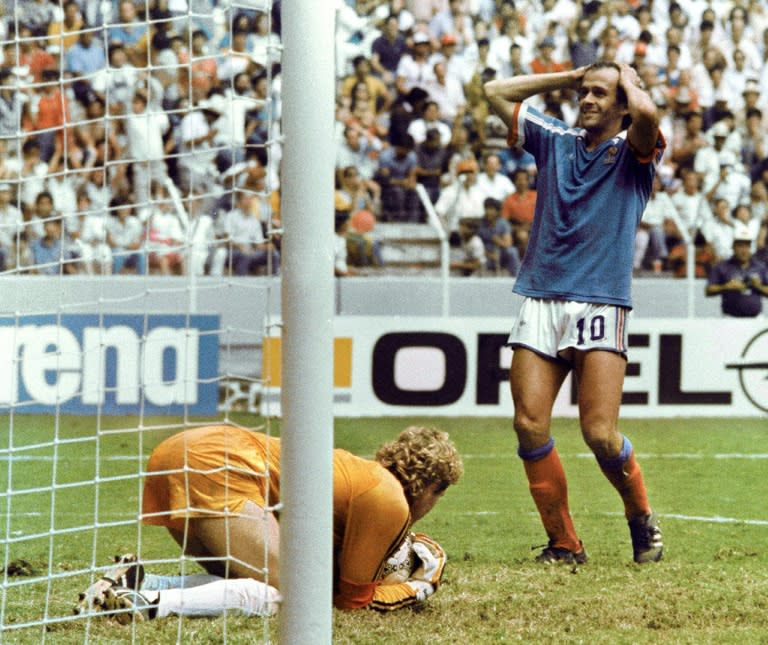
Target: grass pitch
x=706, y=480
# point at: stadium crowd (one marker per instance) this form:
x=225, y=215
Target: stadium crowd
x=145, y=136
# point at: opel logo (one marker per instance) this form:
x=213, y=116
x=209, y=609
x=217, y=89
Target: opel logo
x=753, y=370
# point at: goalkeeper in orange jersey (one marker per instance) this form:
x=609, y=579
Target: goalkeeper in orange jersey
x=216, y=488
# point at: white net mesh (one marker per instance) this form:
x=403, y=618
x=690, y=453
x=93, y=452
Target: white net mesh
x=139, y=147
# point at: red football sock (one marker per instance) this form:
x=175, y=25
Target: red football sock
x=549, y=489
x=628, y=480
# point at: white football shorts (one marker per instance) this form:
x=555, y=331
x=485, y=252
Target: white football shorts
x=555, y=328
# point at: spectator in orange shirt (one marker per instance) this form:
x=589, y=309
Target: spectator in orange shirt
x=544, y=62
x=519, y=206
x=197, y=72
x=49, y=122
x=518, y=209
x=205, y=72
x=32, y=54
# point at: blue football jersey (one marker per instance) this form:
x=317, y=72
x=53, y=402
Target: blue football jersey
x=588, y=206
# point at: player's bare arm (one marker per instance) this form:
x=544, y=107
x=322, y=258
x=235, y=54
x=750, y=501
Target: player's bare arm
x=643, y=132
x=734, y=284
x=503, y=94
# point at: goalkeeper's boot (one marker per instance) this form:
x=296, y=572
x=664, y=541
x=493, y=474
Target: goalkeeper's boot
x=127, y=605
x=128, y=573
x=555, y=554
x=647, y=545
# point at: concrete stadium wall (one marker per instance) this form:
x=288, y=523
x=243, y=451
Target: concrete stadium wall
x=244, y=302
x=653, y=297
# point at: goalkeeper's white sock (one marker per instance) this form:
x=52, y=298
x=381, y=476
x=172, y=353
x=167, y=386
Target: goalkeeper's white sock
x=154, y=582
x=243, y=595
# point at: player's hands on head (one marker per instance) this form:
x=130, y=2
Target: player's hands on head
x=578, y=75
x=629, y=76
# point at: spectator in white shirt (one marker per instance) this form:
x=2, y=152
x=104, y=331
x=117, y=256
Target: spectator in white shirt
x=733, y=185
x=340, y=254
x=116, y=84
x=359, y=148
x=719, y=233
x=90, y=237
x=706, y=161
x=693, y=210
x=454, y=21
x=456, y=65
x=125, y=235
x=473, y=260
x=11, y=225
x=197, y=171
x=735, y=79
x=430, y=120
x=238, y=58
x=448, y=93
x=492, y=181
x=740, y=37
x=462, y=198
x=63, y=189
x=650, y=239
x=415, y=68
x=499, y=53
x=145, y=131
x=265, y=44
x=34, y=172
x=165, y=235
x=247, y=248
x=620, y=17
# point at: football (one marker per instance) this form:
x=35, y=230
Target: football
x=399, y=566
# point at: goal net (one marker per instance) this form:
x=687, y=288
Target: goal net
x=139, y=152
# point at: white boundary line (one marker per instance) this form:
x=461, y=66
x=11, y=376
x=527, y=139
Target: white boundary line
x=715, y=519
x=510, y=455
x=641, y=455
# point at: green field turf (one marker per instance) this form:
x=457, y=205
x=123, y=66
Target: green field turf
x=706, y=479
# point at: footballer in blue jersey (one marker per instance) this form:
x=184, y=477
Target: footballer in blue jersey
x=594, y=181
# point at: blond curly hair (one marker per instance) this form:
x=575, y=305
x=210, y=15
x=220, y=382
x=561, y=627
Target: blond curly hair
x=421, y=456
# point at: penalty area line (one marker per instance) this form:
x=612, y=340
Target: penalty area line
x=715, y=519
x=689, y=455
x=50, y=458
x=709, y=519
x=640, y=455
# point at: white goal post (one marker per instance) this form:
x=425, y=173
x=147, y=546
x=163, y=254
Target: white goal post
x=308, y=307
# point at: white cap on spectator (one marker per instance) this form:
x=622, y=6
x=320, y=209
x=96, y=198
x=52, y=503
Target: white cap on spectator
x=751, y=86
x=742, y=233
x=720, y=129
x=420, y=37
